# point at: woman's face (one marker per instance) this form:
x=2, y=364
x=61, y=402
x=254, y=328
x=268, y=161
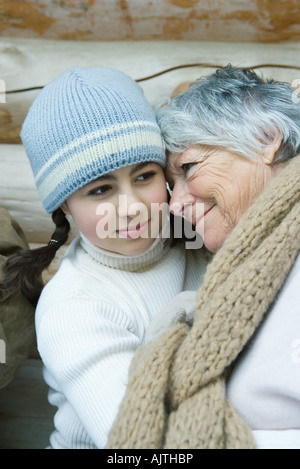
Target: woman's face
x=212, y=188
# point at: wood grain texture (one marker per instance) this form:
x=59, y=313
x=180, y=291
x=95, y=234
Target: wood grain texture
x=106, y=20
x=32, y=63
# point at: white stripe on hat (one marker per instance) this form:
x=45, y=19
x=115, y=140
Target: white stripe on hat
x=89, y=137
x=90, y=155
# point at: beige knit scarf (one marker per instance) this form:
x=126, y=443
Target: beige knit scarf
x=176, y=396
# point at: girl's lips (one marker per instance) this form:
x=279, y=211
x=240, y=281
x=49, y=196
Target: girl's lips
x=135, y=231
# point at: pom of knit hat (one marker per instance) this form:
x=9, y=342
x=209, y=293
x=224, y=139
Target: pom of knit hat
x=86, y=123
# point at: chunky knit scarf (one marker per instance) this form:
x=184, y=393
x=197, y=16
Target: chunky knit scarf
x=176, y=396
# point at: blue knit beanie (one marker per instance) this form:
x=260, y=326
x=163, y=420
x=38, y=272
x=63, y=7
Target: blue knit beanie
x=85, y=123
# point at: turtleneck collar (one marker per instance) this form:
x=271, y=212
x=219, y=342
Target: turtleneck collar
x=156, y=251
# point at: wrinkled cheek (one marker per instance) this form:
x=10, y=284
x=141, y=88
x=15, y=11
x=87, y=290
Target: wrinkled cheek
x=226, y=210
x=202, y=189
x=216, y=231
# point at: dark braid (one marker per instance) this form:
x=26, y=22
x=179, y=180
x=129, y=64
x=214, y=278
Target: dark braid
x=23, y=270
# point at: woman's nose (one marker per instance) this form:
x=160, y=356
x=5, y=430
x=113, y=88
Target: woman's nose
x=180, y=198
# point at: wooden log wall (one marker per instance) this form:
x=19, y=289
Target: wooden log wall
x=106, y=20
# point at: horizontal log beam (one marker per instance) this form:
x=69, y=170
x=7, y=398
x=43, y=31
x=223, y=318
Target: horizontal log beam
x=208, y=20
x=158, y=66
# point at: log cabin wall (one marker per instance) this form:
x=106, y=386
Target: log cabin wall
x=138, y=20
x=161, y=44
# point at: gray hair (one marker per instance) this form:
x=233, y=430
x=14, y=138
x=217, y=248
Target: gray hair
x=233, y=109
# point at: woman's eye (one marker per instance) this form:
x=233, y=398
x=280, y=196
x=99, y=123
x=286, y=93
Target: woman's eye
x=100, y=190
x=187, y=166
x=146, y=176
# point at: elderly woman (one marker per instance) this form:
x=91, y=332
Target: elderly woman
x=232, y=380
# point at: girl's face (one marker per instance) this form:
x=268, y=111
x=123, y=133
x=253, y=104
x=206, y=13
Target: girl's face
x=119, y=211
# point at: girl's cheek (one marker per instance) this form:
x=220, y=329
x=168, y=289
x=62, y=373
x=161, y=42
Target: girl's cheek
x=162, y=195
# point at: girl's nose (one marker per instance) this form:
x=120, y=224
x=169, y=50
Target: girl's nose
x=131, y=206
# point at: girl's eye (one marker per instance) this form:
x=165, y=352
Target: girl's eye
x=146, y=176
x=187, y=166
x=100, y=190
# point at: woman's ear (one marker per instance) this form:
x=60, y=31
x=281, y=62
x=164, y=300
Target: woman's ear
x=271, y=150
x=65, y=208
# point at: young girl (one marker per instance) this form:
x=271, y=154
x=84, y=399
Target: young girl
x=97, y=155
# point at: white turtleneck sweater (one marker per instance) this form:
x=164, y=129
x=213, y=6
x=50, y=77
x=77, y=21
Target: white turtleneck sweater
x=90, y=320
